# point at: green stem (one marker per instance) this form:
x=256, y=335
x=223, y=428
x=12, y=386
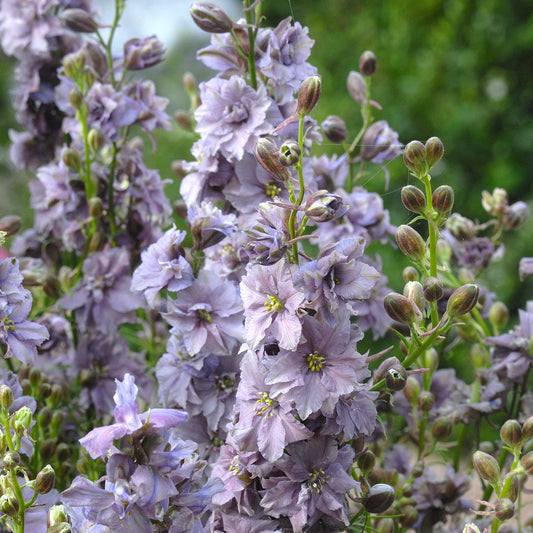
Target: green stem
x=111, y=196
x=251, y=45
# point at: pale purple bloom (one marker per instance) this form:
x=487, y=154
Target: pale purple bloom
x=163, y=265
x=525, y=267
x=209, y=225
x=98, y=441
x=264, y=423
x=103, y=298
x=337, y=276
x=313, y=484
x=232, y=115
x=143, y=53
x=321, y=369
x=222, y=55
x=271, y=305
x=208, y=315
x=151, y=108
x=330, y=171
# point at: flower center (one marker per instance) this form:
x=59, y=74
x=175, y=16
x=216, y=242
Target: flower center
x=9, y=325
x=316, y=480
x=315, y=361
x=272, y=189
x=273, y=304
x=236, y=113
x=263, y=405
x=235, y=466
x=204, y=316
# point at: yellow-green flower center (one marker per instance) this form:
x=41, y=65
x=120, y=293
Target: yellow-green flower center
x=273, y=304
x=235, y=466
x=263, y=403
x=272, y=189
x=204, y=316
x=315, y=361
x=9, y=325
x=316, y=480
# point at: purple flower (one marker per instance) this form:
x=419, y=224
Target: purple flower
x=232, y=116
x=264, y=423
x=209, y=225
x=98, y=441
x=207, y=315
x=143, y=53
x=321, y=369
x=313, y=484
x=163, y=265
x=271, y=305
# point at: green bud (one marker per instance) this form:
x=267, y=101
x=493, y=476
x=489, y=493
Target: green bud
x=463, y=300
x=210, y=18
x=496, y=202
x=6, y=397
x=44, y=390
x=498, y=315
x=414, y=291
x=385, y=525
x=368, y=63
x=323, y=206
x=11, y=460
x=96, y=242
x=426, y=401
x=289, y=153
x=527, y=463
x=411, y=243
x=409, y=516
x=433, y=289
x=96, y=207
x=461, y=227
x=442, y=200
x=63, y=527
x=47, y=449
x=56, y=515
x=45, y=480
x=410, y=273
x=44, y=416
x=414, y=157
x=79, y=20
x=379, y=498
x=442, y=429
x=434, y=150
x=504, y=509
x=62, y=452
x=24, y=417
x=367, y=461
x=430, y=359
x=413, y=199
x=487, y=467
x=511, y=433
x=334, y=129
x=412, y=389
x=10, y=224
x=308, y=95
x=184, y=120
x=72, y=159
x=401, y=309
x=178, y=169
x=34, y=376
x=267, y=155
x=479, y=356
x=515, y=216
x=9, y=505
x=418, y=469
x=444, y=251
x=96, y=139
x=527, y=429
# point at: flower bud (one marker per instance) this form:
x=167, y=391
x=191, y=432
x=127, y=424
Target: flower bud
x=411, y=243
x=498, y=315
x=44, y=416
x=515, y=216
x=47, y=449
x=267, y=155
x=309, y=94
x=210, y=18
x=495, y=203
x=385, y=525
x=289, y=153
x=430, y=359
x=504, y=509
x=413, y=290
x=511, y=433
x=426, y=401
x=10, y=224
x=444, y=251
x=487, y=467
x=434, y=150
x=527, y=463
x=367, y=461
x=461, y=227
x=401, y=309
x=442, y=200
x=410, y=273
x=143, y=53
x=379, y=498
x=56, y=515
x=9, y=505
x=414, y=157
x=79, y=20
x=45, y=480
x=75, y=98
x=72, y=159
x=6, y=397
x=413, y=199
x=368, y=63
x=382, y=372
x=323, y=206
x=409, y=516
x=463, y=300
x=412, y=389
x=442, y=429
x=356, y=87
x=24, y=417
x=334, y=129
x=96, y=207
x=433, y=289
x=96, y=241
x=527, y=429
x=396, y=378
x=11, y=460
x=96, y=139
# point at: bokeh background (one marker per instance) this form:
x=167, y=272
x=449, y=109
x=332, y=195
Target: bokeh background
x=458, y=69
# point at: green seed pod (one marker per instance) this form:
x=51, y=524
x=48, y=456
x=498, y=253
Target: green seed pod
x=411, y=243
x=463, y=300
x=368, y=63
x=413, y=199
x=511, y=433
x=379, y=498
x=487, y=467
x=434, y=150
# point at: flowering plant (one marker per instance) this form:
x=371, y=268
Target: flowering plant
x=239, y=326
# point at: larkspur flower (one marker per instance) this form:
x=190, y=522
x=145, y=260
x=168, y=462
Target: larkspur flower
x=209, y=225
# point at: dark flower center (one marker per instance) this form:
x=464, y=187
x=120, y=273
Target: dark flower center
x=204, y=316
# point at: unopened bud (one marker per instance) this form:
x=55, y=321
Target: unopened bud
x=9, y=505
x=6, y=397
x=96, y=242
x=401, y=309
x=442, y=200
x=411, y=243
x=411, y=390
x=72, y=159
x=433, y=289
x=210, y=18
x=45, y=480
x=47, y=449
x=56, y=515
x=44, y=416
x=434, y=150
x=413, y=199
x=267, y=155
x=487, y=467
x=289, y=153
x=426, y=401
x=498, y=315
x=96, y=207
x=515, y=216
x=461, y=227
x=527, y=429
x=11, y=460
x=379, y=498
x=442, y=429
x=143, y=53
x=409, y=516
x=96, y=139
x=177, y=168
x=309, y=94
x=75, y=98
x=24, y=417
x=463, y=300
x=334, y=128
x=504, y=509
x=184, y=120
x=393, y=372
x=356, y=87
x=527, y=463
x=323, y=206
x=410, y=273
x=430, y=359
x=367, y=461
x=10, y=224
x=79, y=20
x=495, y=203
x=368, y=63
x=414, y=157
x=511, y=433
x=414, y=291
x=96, y=56
x=385, y=525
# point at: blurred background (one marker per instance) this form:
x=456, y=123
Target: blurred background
x=458, y=69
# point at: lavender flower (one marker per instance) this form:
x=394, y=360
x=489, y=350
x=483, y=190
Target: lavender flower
x=163, y=265
x=143, y=53
x=271, y=305
x=209, y=225
x=232, y=116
